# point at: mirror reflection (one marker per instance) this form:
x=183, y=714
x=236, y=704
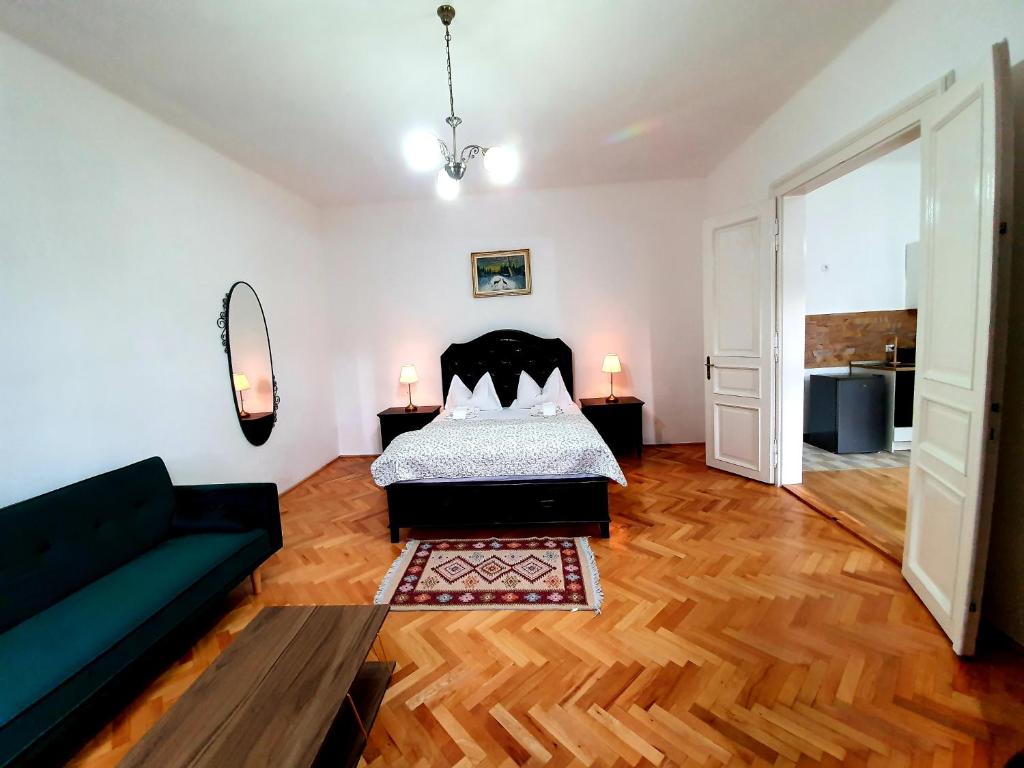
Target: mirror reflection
x=247, y=344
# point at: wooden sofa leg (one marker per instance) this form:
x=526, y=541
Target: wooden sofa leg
x=257, y=582
x=605, y=530
x=395, y=534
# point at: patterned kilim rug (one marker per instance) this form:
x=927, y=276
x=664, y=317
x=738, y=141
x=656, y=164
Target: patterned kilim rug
x=536, y=574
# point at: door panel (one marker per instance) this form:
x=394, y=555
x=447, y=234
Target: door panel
x=956, y=161
x=958, y=373
x=737, y=297
x=738, y=289
x=737, y=437
x=744, y=382
x=945, y=435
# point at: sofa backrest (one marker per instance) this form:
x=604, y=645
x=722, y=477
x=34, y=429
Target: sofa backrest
x=57, y=543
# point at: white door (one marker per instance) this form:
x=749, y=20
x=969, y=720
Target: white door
x=966, y=162
x=739, y=256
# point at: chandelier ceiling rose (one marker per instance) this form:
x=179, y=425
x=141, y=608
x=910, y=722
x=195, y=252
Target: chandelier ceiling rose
x=422, y=149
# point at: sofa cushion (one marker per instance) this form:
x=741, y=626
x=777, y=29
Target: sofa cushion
x=61, y=541
x=46, y=650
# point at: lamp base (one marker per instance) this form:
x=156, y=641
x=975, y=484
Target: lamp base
x=410, y=408
x=611, y=399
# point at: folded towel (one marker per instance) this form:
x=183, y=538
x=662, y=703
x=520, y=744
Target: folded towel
x=459, y=412
x=545, y=410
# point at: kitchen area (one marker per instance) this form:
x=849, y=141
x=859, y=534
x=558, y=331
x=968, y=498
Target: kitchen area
x=861, y=288
x=860, y=388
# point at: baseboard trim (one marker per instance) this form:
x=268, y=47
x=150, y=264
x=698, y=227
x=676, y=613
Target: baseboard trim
x=312, y=474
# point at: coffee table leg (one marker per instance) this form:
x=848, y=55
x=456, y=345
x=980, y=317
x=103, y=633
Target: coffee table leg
x=359, y=720
x=382, y=654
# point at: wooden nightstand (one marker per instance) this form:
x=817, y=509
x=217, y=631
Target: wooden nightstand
x=619, y=423
x=395, y=421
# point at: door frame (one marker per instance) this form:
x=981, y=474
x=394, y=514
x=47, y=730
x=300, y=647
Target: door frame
x=897, y=127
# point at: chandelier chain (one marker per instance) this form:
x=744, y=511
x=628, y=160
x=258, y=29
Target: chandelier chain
x=448, y=52
x=456, y=161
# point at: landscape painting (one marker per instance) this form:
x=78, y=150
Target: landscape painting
x=501, y=273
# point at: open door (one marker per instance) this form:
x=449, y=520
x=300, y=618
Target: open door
x=966, y=170
x=739, y=257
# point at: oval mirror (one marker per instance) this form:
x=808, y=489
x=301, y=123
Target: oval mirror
x=250, y=365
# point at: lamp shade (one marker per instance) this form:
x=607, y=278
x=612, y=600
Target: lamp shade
x=408, y=375
x=241, y=382
x=611, y=364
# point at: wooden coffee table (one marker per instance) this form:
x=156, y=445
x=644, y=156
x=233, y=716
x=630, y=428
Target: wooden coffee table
x=294, y=689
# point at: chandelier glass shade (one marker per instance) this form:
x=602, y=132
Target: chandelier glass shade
x=426, y=152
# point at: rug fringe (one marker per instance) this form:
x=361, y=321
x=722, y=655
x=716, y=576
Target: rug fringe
x=584, y=542
x=393, y=573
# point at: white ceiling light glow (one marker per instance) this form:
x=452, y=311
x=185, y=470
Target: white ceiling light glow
x=425, y=152
x=420, y=150
x=447, y=187
x=501, y=164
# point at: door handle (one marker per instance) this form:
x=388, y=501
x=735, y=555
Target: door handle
x=708, y=365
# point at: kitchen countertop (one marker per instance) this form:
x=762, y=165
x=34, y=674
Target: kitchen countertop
x=882, y=365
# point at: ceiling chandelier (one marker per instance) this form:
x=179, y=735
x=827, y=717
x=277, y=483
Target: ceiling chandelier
x=421, y=148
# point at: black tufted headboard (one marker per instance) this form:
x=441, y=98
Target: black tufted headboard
x=504, y=354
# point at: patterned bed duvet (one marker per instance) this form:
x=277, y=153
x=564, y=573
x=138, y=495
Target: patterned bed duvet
x=531, y=446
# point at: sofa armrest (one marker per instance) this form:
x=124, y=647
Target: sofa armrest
x=228, y=508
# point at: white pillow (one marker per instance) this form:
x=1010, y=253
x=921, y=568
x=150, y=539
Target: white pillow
x=528, y=394
x=564, y=400
x=458, y=394
x=484, y=396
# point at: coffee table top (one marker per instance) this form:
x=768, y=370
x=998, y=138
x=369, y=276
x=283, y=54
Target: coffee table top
x=270, y=698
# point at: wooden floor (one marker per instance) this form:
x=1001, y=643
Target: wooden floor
x=871, y=503
x=739, y=628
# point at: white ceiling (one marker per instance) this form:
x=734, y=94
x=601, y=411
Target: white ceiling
x=317, y=94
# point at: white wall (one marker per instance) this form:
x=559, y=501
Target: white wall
x=615, y=269
x=857, y=230
x=118, y=238
x=911, y=45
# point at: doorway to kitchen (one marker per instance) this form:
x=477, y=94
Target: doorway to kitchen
x=964, y=125
x=857, y=240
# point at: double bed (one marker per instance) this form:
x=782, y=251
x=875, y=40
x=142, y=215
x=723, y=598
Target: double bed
x=512, y=467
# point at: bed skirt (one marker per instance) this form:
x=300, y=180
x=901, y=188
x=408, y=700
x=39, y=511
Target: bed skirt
x=498, y=502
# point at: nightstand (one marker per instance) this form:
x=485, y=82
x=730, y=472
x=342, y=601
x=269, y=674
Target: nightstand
x=619, y=423
x=395, y=421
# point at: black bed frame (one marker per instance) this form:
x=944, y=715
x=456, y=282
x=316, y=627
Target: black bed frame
x=508, y=502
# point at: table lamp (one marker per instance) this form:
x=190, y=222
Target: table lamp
x=241, y=384
x=408, y=377
x=611, y=367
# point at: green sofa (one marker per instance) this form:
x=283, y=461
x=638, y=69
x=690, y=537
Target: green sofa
x=102, y=584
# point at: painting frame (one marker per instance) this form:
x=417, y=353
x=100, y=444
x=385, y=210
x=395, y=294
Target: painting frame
x=512, y=262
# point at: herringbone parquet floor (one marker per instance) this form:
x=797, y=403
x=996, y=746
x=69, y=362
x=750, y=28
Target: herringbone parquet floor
x=739, y=628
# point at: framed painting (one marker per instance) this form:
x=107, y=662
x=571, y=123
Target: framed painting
x=501, y=273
